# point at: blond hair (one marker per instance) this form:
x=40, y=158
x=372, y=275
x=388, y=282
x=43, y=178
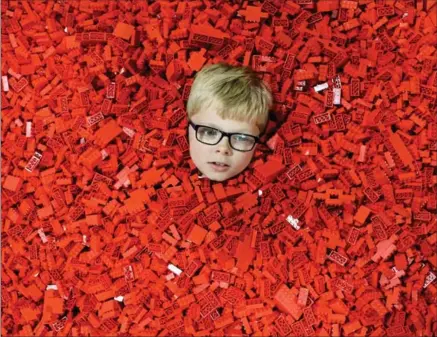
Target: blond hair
x=236, y=91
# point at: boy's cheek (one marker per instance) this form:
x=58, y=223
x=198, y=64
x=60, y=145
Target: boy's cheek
x=191, y=143
x=190, y=137
x=196, y=152
x=245, y=161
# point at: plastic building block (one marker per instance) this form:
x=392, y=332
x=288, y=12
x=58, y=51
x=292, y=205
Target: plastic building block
x=286, y=301
x=253, y=14
x=197, y=234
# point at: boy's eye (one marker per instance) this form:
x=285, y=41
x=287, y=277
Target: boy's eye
x=243, y=139
x=208, y=132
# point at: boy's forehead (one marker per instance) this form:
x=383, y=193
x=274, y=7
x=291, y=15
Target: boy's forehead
x=210, y=116
x=230, y=124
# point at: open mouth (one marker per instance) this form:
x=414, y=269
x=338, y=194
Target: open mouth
x=219, y=167
x=219, y=164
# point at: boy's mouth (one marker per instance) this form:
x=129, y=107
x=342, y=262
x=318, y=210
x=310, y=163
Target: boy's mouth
x=218, y=167
x=218, y=163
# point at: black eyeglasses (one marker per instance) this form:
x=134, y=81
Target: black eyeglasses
x=211, y=136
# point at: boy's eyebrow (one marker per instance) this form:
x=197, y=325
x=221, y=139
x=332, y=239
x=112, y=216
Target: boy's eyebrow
x=244, y=130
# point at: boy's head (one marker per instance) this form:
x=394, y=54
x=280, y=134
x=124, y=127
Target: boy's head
x=230, y=99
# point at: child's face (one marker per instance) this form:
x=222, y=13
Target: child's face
x=204, y=155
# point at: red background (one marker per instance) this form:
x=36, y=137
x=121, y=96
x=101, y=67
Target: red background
x=330, y=231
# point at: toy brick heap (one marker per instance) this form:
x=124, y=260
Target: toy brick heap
x=108, y=230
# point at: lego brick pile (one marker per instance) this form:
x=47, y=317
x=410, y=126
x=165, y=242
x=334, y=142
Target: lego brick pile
x=107, y=229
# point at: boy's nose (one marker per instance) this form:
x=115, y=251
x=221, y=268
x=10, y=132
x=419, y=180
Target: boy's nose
x=224, y=146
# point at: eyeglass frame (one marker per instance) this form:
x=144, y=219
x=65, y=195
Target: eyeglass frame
x=224, y=134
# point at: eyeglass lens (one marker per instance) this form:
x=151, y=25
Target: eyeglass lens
x=212, y=136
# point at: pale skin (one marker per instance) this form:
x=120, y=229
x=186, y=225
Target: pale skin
x=203, y=154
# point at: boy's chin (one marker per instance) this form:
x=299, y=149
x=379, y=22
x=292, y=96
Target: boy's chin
x=216, y=176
